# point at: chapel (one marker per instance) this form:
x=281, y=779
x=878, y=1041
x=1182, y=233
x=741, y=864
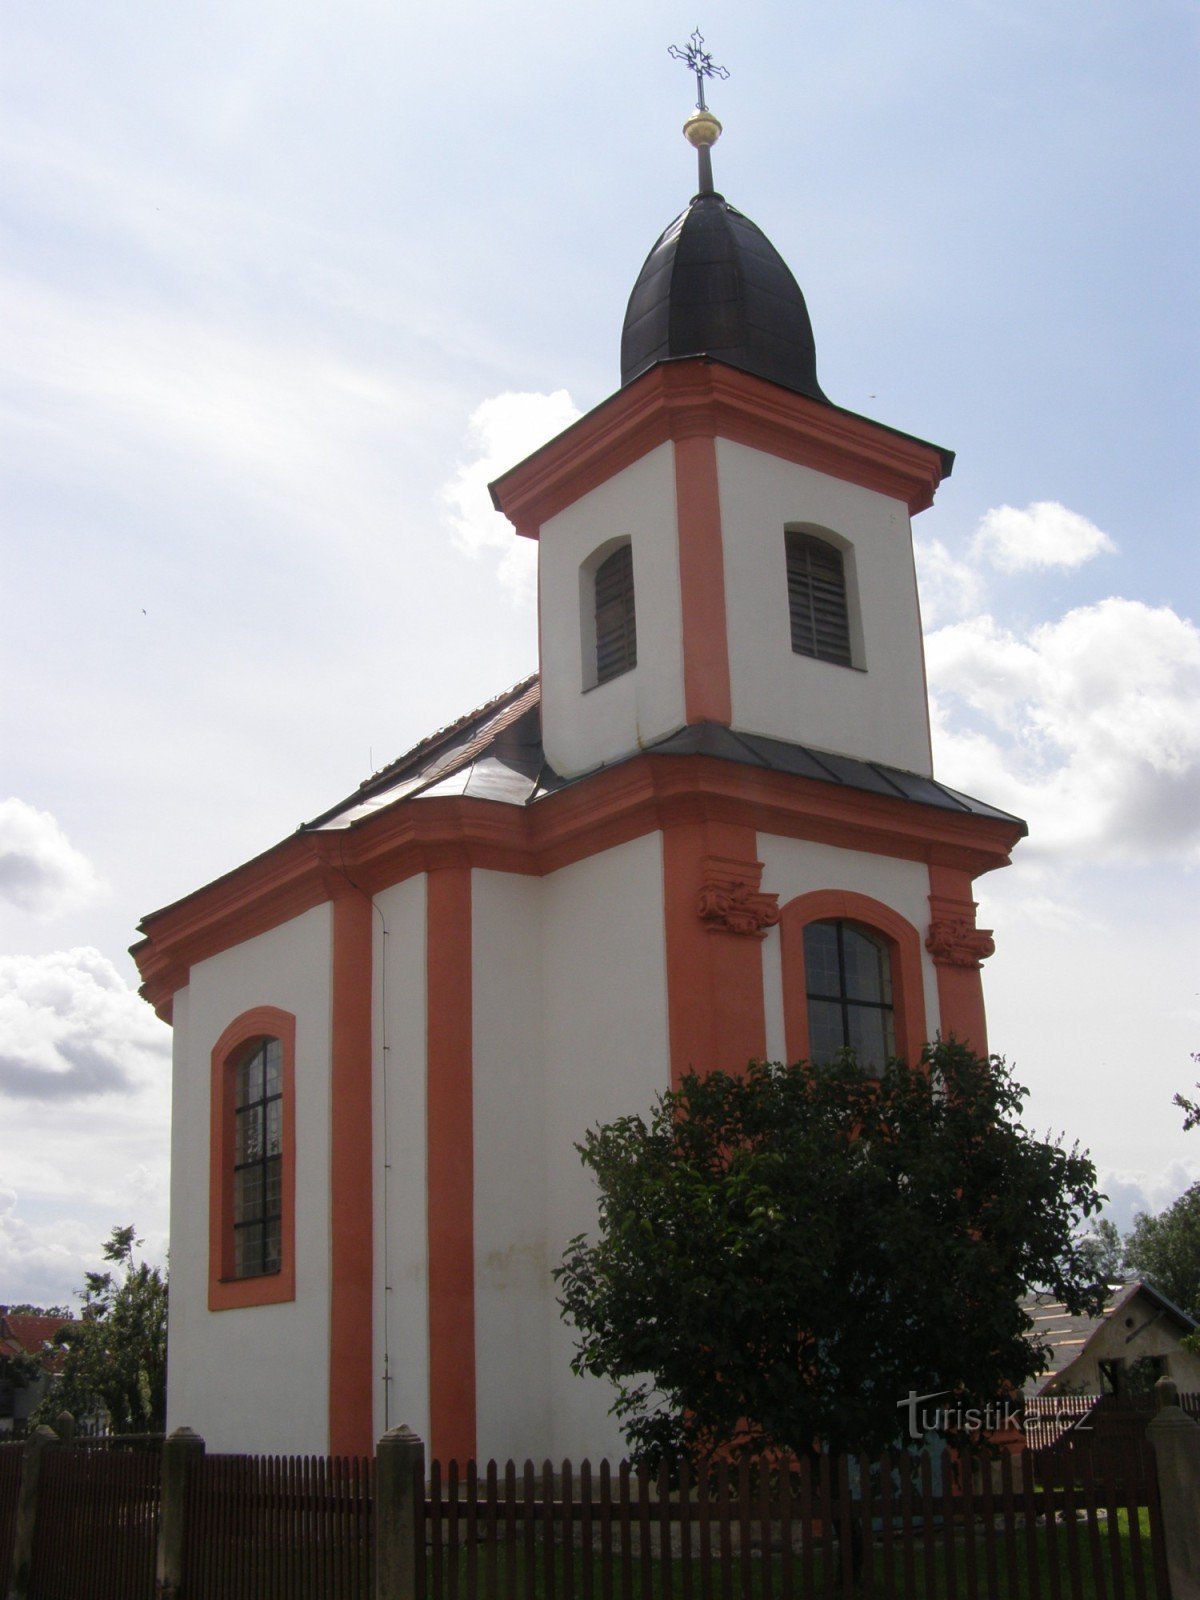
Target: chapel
x=706, y=831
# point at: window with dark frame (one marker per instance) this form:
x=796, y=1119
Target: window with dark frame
x=848, y=982
x=258, y=1161
x=616, y=624
x=820, y=615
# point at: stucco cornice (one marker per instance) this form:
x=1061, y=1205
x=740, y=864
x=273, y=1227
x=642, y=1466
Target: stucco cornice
x=702, y=398
x=643, y=795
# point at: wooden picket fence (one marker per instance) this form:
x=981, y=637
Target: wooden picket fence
x=1034, y=1526
x=10, y=1488
x=827, y=1527
x=287, y=1526
x=97, y=1529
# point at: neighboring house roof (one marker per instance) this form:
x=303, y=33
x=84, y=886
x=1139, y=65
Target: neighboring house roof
x=1068, y=1336
x=495, y=753
x=23, y=1333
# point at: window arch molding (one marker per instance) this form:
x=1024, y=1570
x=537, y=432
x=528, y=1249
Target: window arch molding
x=225, y=1291
x=825, y=638
x=589, y=570
x=903, y=944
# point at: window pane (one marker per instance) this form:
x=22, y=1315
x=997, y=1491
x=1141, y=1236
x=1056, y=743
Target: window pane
x=250, y=1078
x=824, y=1030
x=274, y=1192
x=248, y=1144
x=247, y=1194
x=821, y=958
x=274, y=1127
x=248, y=1244
x=272, y=1248
x=867, y=968
x=868, y=1036
x=273, y=1081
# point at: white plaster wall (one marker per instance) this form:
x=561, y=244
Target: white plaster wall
x=189, y=1217
x=253, y=1379
x=583, y=728
x=877, y=714
x=795, y=866
x=401, y=1329
x=513, y=1294
x=607, y=1055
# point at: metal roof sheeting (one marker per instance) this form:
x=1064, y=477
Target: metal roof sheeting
x=495, y=753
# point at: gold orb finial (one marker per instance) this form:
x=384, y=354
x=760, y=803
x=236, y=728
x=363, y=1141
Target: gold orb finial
x=702, y=130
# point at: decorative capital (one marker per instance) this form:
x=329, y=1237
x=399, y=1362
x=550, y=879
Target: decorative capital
x=957, y=942
x=729, y=899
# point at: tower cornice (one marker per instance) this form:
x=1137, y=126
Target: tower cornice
x=702, y=398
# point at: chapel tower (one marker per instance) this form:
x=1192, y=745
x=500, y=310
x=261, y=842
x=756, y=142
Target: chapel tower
x=718, y=543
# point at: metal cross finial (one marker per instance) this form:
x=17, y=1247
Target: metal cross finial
x=698, y=61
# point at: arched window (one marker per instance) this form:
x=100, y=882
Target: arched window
x=252, y=1255
x=853, y=974
x=258, y=1160
x=616, y=624
x=848, y=983
x=817, y=604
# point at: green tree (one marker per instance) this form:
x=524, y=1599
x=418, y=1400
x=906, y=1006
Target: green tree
x=114, y=1358
x=783, y=1256
x=1190, y=1108
x=1166, y=1250
x=1103, y=1249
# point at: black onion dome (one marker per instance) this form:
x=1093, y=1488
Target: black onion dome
x=715, y=285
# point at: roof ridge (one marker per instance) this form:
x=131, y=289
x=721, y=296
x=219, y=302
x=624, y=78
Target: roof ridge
x=441, y=736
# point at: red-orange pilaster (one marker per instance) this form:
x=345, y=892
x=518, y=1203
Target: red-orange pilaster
x=958, y=949
x=351, y=1164
x=707, y=695
x=714, y=918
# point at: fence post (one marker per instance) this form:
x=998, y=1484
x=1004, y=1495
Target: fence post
x=1175, y=1438
x=180, y=1450
x=399, y=1513
x=27, y=1509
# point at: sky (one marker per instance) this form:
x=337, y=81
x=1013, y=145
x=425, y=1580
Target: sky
x=283, y=285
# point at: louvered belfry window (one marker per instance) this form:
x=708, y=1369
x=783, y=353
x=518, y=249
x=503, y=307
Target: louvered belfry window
x=817, y=599
x=616, y=626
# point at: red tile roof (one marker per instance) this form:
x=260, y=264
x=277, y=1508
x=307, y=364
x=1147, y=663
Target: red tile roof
x=22, y=1333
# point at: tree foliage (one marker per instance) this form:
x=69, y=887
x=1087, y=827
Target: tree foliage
x=1103, y=1249
x=114, y=1358
x=784, y=1255
x=1190, y=1108
x=1166, y=1250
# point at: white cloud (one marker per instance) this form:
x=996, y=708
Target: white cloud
x=949, y=588
x=1151, y=1192
x=40, y=870
x=1044, y=535
x=1086, y=726
x=502, y=431
x=72, y=1029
